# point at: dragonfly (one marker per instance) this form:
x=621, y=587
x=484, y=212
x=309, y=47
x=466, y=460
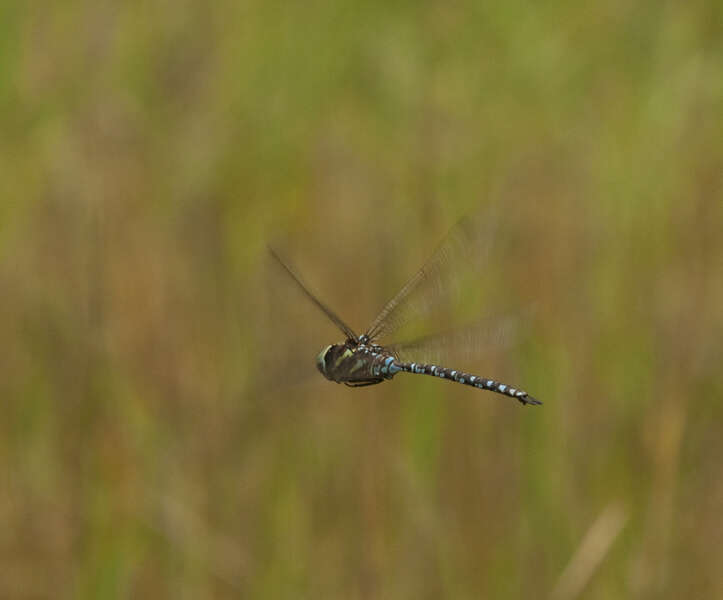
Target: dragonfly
x=361, y=360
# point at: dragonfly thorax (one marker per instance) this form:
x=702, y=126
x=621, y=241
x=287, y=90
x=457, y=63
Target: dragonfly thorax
x=347, y=361
x=329, y=358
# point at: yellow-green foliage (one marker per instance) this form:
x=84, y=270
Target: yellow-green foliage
x=163, y=431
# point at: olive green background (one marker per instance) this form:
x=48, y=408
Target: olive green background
x=163, y=431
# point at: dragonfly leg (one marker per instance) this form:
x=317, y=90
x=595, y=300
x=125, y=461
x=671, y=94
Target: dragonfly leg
x=363, y=382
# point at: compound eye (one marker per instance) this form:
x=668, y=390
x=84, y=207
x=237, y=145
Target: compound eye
x=323, y=361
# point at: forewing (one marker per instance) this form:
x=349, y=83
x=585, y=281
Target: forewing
x=323, y=307
x=467, y=244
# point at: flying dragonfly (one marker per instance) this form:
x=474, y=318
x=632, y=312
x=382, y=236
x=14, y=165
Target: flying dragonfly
x=360, y=360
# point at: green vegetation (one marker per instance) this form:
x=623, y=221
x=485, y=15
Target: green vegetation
x=164, y=432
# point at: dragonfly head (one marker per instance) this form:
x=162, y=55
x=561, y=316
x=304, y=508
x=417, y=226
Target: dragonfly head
x=329, y=358
x=321, y=361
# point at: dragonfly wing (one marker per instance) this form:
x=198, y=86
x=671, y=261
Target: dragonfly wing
x=323, y=307
x=468, y=242
x=466, y=343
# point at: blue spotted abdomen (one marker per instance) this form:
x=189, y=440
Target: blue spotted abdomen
x=392, y=366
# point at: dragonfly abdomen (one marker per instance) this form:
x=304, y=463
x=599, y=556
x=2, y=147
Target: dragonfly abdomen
x=483, y=383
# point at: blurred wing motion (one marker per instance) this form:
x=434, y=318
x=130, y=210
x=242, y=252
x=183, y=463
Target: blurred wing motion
x=464, y=343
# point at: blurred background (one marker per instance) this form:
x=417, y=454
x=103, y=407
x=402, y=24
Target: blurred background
x=164, y=432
